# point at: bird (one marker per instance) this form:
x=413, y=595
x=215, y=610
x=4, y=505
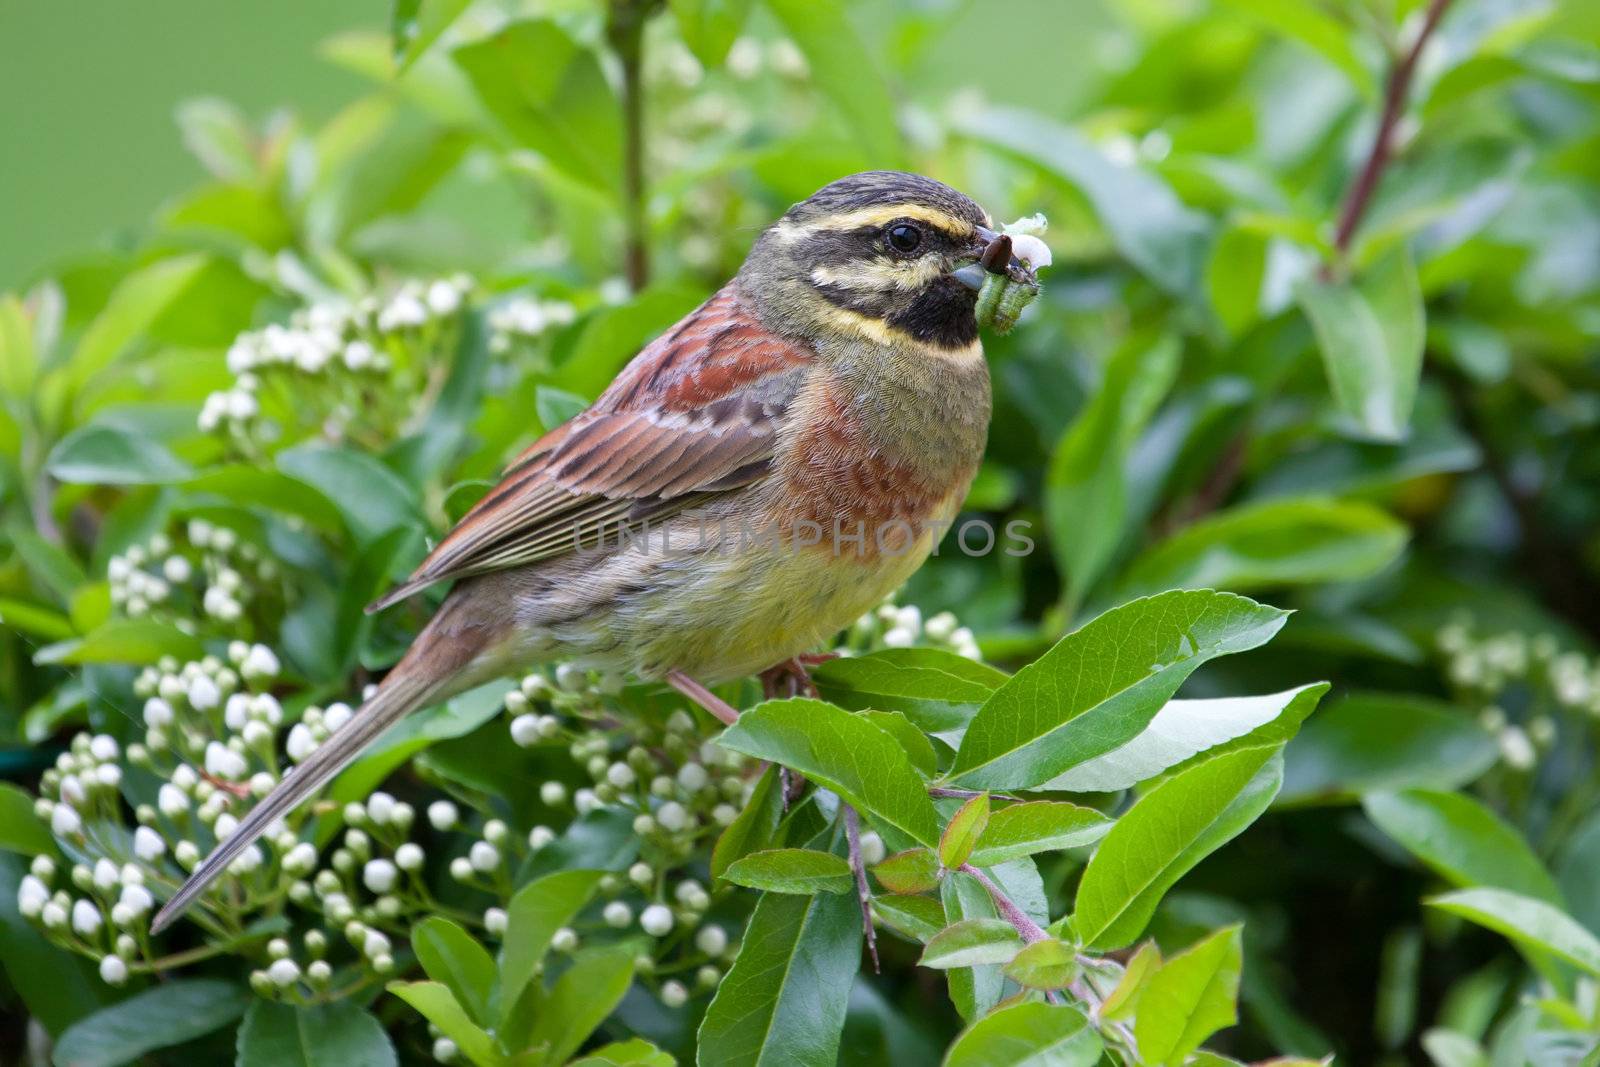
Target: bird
x=822, y=415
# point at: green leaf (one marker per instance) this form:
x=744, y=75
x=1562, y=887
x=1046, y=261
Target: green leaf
x=917, y=918
x=1102, y=684
x=973, y=990
x=270, y=490
x=451, y=957
x=107, y=455
x=35, y=619
x=635, y=1052
x=1371, y=337
x=1123, y=999
x=535, y=913
x=1235, y=271
x=1018, y=830
x=218, y=134
x=938, y=691
x=792, y=870
x=844, y=753
x=135, y=641
x=1027, y=1035
x=1462, y=840
x=1531, y=923
x=339, y=1034
x=1047, y=964
x=783, y=1001
x=1270, y=544
x=1168, y=831
x=433, y=1000
x=709, y=27
x=916, y=870
x=20, y=829
x=972, y=943
x=138, y=300
x=581, y=999
x=162, y=1016
x=61, y=988
x=1086, y=491
x=1318, y=30
x=19, y=356
x=1184, y=728
x=416, y=24
x=915, y=743
x=845, y=70
x=1143, y=216
x=964, y=830
x=549, y=93
x=1189, y=998
x=1378, y=742
x=372, y=498
x=48, y=564
x=755, y=827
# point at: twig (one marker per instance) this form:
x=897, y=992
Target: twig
x=1359, y=196
x=852, y=833
x=625, y=30
x=1030, y=930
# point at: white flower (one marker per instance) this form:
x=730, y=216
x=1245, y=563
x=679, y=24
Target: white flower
x=301, y=743
x=656, y=920
x=1517, y=749
x=247, y=861
x=495, y=832
x=553, y=793
x=157, y=713
x=242, y=404
x=404, y=310
x=540, y=836
x=444, y=1050
x=565, y=939
x=409, y=857
x=359, y=355
x=103, y=748
x=641, y=874
x=374, y=945
x=461, y=869
x=172, y=801
x=259, y=662
x=617, y=914
x=136, y=898
x=674, y=994
x=620, y=775
x=319, y=971
x=108, y=775
x=300, y=859
x=525, y=730
x=113, y=971
x=32, y=896
x=899, y=637
x=336, y=716
x=443, y=298
x=236, y=712
x=64, y=822
x=203, y=693
x=85, y=918
x=72, y=791
x=380, y=808
x=692, y=776
x=225, y=825
x=184, y=777
x=284, y=972
x=872, y=848
x=53, y=915
x=147, y=844
x=187, y=853
x=941, y=626
x=711, y=939
x=673, y=816
x=256, y=733
x=483, y=856
x=223, y=762
x=379, y=875
x=724, y=814
x=494, y=921
x=585, y=801
x=442, y=814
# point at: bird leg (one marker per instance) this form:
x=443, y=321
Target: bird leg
x=703, y=696
x=791, y=677
x=852, y=833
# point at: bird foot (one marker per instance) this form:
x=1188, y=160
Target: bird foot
x=703, y=696
x=791, y=677
x=858, y=867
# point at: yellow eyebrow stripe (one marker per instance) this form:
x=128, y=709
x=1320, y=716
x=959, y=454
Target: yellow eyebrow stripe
x=876, y=216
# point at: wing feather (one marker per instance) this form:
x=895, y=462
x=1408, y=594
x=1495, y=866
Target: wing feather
x=695, y=413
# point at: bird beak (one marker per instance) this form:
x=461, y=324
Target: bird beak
x=994, y=253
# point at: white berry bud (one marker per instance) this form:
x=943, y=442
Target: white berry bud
x=656, y=920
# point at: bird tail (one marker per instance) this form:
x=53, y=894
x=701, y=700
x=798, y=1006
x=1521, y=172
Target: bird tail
x=388, y=705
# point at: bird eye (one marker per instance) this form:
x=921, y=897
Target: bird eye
x=903, y=237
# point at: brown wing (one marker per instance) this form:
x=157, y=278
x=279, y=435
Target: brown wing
x=696, y=412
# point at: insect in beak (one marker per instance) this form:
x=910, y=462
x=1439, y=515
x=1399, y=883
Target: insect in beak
x=993, y=254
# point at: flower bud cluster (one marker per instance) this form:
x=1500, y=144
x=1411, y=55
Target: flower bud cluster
x=892, y=626
x=199, y=572
x=519, y=321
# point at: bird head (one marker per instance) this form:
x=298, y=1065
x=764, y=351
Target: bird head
x=892, y=256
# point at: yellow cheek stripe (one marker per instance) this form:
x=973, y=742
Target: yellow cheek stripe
x=874, y=216
x=879, y=275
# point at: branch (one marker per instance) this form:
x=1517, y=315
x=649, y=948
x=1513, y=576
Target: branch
x=1359, y=196
x=625, y=31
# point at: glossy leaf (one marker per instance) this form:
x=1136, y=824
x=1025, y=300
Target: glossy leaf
x=917, y=918
x=845, y=753
x=371, y=497
x=1023, y=829
x=107, y=455
x=1190, y=997
x=962, y=833
x=709, y=27
x=915, y=870
x=339, y=1034
x=135, y=641
x=138, y=300
x=784, y=998
x=1047, y=964
x=452, y=958
x=1168, y=831
x=1462, y=840
x=792, y=870
x=1531, y=923
x=754, y=828
x=1124, y=996
x=1027, y=1035
x=844, y=69
x=161, y=1016
x=1182, y=729
x=535, y=913
x=435, y=1002
x=1102, y=684
x=1276, y=543
x=1370, y=334
x=20, y=829
x=972, y=943
x=580, y=1000
x=938, y=691
x=416, y=24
